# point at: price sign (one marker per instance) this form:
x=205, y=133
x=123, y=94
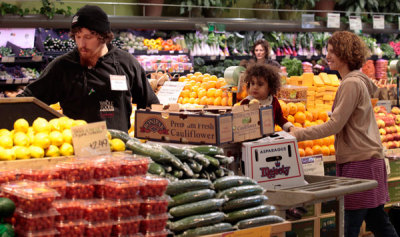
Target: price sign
x=378, y=22
x=213, y=57
x=8, y=59
x=37, y=58
x=355, y=23
x=90, y=139
x=307, y=21
x=313, y=165
x=222, y=57
x=25, y=80
x=170, y=91
x=333, y=20
x=10, y=81
x=131, y=50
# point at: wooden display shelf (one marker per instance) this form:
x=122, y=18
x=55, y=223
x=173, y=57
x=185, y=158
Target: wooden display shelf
x=278, y=230
x=38, y=163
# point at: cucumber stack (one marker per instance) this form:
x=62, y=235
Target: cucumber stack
x=195, y=209
x=245, y=207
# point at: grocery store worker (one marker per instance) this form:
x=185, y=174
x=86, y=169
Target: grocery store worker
x=260, y=54
x=359, y=151
x=96, y=81
x=263, y=82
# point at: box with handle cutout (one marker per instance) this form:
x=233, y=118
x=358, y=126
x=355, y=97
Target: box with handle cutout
x=274, y=161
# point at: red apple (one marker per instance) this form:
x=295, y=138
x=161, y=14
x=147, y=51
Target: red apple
x=381, y=123
x=388, y=130
x=383, y=138
x=390, y=137
x=382, y=131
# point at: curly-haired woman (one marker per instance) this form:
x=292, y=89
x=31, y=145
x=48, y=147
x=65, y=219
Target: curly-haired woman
x=359, y=151
x=260, y=53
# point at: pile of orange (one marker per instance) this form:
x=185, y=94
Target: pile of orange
x=204, y=89
x=297, y=114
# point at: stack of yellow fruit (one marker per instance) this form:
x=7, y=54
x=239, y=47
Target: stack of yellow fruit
x=42, y=139
x=204, y=90
x=297, y=114
x=321, y=89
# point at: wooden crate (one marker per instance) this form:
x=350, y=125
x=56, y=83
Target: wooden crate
x=277, y=230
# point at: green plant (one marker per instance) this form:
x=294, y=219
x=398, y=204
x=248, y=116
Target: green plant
x=358, y=6
x=49, y=9
x=6, y=8
x=187, y=6
x=295, y=4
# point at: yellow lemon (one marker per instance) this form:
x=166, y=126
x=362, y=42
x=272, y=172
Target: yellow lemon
x=52, y=151
x=117, y=145
x=56, y=138
x=66, y=149
x=78, y=122
x=21, y=139
x=41, y=125
x=109, y=137
x=31, y=135
x=36, y=152
x=55, y=124
x=65, y=122
x=41, y=140
x=4, y=131
x=7, y=154
x=67, y=136
x=21, y=125
x=22, y=152
x=6, y=141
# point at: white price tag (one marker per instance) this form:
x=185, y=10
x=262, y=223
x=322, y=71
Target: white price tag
x=180, y=51
x=7, y=59
x=9, y=81
x=118, y=83
x=17, y=80
x=313, y=165
x=378, y=22
x=171, y=51
x=37, y=58
x=213, y=57
x=90, y=139
x=131, y=50
x=222, y=57
x=307, y=21
x=170, y=91
x=355, y=23
x=333, y=20
x=25, y=80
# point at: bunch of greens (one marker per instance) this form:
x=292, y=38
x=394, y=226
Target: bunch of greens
x=293, y=66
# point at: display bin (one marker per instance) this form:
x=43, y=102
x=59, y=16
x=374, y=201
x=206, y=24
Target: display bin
x=28, y=108
x=274, y=230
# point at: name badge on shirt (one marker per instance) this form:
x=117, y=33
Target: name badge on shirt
x=118, y=83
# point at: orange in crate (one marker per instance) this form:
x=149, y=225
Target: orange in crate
x=300, y=117
x=332, y=149
x=316, y=149
x=309, y=151
x=325, y=150
x=302, y=153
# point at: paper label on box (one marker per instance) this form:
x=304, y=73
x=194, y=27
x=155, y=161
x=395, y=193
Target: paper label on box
x=246, y=125
x=225, y=124
x=313, y=165
x=267, y=119
x=90, y=139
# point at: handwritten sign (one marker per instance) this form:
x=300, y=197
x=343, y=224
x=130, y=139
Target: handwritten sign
x=90, y=139
x=333, y=20
x=355, y=23
x=378, y=22
x=313, y=165
x=170, y=91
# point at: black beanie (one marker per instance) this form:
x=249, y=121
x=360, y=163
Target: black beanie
x=93, y=18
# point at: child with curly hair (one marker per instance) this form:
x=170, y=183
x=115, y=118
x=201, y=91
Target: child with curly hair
x=263, y=82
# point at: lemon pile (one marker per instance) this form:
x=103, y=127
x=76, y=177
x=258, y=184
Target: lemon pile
x=42, y=139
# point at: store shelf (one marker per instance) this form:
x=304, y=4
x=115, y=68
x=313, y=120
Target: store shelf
x=184, y=23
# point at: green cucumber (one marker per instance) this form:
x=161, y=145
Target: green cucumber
x=242, y=203
x=186, y=185
x=187, y=170
x=171, y=177
x=208, y=150
x=224, y=160
x=178, y=173
x=228, y=172
x=196, y=221
x=156, y=169
x=242, y=191
x=259, y=221
x=120, y=134
x=195, y=208
x=220, y=173
x=207, y=230
x=213, y=176
x=213, y=162
x=247, y=213
x=196, y=167
x=181, y=153
x=233, y=181
x=156, y=153
x=191, y=196
x=200, y=158
x=167, y=168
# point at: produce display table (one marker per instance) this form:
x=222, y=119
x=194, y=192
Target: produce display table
x=319, y=189
x=276, y=230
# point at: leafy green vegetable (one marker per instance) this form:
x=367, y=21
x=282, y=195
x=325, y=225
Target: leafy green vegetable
x=293, y=66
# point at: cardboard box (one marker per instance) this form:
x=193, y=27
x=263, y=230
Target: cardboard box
x=394, y=190
x=252, y=122
x=195, y=128
x=274, y=161
x=394, y=168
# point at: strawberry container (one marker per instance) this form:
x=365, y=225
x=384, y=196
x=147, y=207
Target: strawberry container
x=80, y=190
x=70, y=210
x=127, y=226
x=76, y=171
x=153, y=186
x=7, y=176
x=134, y=165
x=30, y=198
x=95, y=210
x=39, y=175
x=59, y=185
x=125, y=208
x=39, y=221
x=106, y=169
x=154, y=205
x=99, y=229
x=43, y=233
x=71, y=228
x=119, y=188
x=153, y=223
